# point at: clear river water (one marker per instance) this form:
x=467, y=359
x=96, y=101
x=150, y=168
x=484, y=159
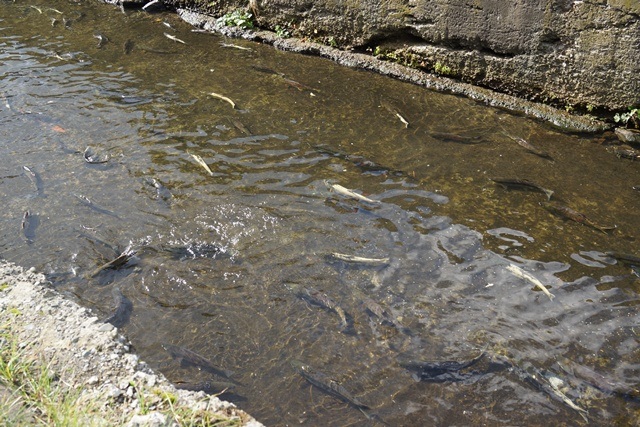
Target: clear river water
x=423, y=302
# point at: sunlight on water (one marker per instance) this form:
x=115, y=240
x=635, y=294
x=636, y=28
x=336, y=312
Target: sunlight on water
x=238, y=235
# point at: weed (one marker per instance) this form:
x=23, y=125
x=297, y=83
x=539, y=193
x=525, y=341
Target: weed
x=632, y=115
x=442, y=69
x=237, y=18
x=282, y=32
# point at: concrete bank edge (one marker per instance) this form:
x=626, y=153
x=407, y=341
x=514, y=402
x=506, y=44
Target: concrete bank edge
x=86, y=352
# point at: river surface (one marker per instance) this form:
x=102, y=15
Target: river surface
x=236, y=265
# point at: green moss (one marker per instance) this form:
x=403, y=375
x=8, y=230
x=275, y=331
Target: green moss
x=442, y=69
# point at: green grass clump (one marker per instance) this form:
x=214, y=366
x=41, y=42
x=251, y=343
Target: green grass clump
x=237, y=18
x=33, y=394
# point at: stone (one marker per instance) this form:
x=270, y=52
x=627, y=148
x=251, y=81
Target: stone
x=631, y=136
x=153, y=419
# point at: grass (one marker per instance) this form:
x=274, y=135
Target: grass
x=34, y=394
x=31, y=393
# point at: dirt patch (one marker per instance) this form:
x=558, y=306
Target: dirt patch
x=91, y=357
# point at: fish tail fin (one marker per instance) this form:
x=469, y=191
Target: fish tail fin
x=549, y=193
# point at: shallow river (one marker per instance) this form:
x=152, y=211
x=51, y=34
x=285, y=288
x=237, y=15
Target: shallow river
x=102, y=120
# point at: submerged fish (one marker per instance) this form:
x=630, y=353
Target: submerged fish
x=555, y=384
x=529, y=147
x=241, y=127
x=375, y=309
x=209, y=387
x=224, y=98
x=359, y=260
x=297, y=85
x=522, y=184
x=127, y=46
x=122, y=310
x=361, y=162
x=327, y=384
x=91, y=156
x=195, y=250
x=88, y=203
x=35, y=179
x=349, y=193
x=202, y=163
x=102, y=40
x=162, y=192
x=568, y=213
x=187, y=356
x=549, y=384
x=174, y=38
x=452, y=137
x=235, y=46
x=29, y=224
x=624, y=258
x=524, y=275
x=393, y=110
x=437, y=371
x=598, y=381
x=320, y=299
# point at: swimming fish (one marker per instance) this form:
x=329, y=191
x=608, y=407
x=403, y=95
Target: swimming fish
x=327, y=384
x=91, y=156
x=452, y=137
x=437, y=371
x=555, y=384
x=375, y=309
x=29, y=224
x=224, y=98
x=393, y=110
x=523, y=184
x=359, y=260
x=209, y=387
x=322, y=300
x=529, y=147
x=122, y=310
x=235, y=46
x=625, y=258
x=576, y=216
x=35, y=179
x=174, y=38
x=349, y=193
x=187, y=356
x=102, y=40
x=88, y=203
x=524, y=275
x=202, y=163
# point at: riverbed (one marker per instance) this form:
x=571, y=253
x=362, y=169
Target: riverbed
x=108, y=120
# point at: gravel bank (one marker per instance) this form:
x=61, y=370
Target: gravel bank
x=90, y=356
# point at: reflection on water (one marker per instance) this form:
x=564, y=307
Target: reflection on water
x=233, y=261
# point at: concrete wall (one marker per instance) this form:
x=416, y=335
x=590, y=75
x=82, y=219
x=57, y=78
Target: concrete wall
x=574, y=54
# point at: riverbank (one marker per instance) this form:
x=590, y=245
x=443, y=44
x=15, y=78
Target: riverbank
x=203, y=19
x=60, y=362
